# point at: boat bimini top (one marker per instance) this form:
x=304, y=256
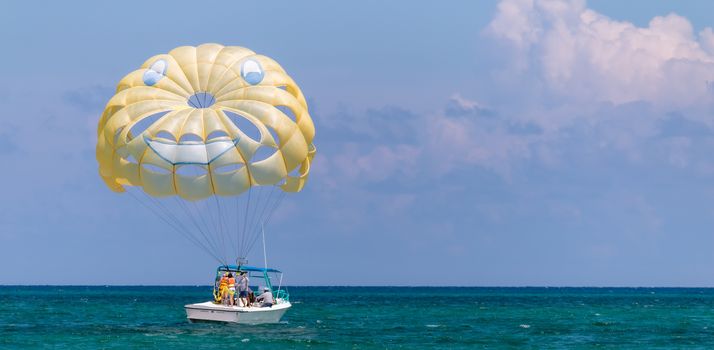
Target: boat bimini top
x=245, y=268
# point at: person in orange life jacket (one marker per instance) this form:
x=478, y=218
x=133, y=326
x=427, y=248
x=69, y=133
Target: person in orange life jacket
x=223, y=288
x=231, y=289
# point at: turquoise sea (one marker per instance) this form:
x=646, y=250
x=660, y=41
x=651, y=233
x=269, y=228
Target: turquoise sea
x=63, y=317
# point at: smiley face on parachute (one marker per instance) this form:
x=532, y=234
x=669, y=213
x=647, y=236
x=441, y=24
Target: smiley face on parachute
x=203, y=121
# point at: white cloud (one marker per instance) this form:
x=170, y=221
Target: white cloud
x=454, y=142
x=358, y=162
x=582, y=54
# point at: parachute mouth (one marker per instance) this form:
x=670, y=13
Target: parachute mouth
x=190, y=152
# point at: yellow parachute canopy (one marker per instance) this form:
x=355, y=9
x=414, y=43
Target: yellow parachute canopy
x=202, y=126
x=177, y=125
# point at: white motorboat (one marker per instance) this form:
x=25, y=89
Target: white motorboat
x=218, y=311
x=209, y=311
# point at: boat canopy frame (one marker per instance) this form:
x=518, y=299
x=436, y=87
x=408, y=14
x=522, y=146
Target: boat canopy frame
x=263, y=273
x=245, y=268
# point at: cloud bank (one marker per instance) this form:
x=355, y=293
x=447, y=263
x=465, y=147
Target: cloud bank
x=585, y=55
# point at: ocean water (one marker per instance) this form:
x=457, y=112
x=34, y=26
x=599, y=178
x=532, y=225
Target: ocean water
x=364, y=317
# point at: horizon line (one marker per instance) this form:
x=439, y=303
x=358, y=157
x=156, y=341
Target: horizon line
x=364, y=286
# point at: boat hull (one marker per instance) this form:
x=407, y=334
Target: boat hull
x=211, y=312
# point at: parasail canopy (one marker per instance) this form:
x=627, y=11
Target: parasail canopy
x=200, y=128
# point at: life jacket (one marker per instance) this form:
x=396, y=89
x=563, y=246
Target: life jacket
x=224, y=282
x=231, y=282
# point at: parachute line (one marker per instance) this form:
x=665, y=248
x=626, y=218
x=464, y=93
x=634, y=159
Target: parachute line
x=245, y=223
x=223, y=229
x=257, y=219
x=272, y=210
x=205, y=235
x=179, y=229
x=206, y=223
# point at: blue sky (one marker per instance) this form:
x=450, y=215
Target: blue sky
x=503, y=143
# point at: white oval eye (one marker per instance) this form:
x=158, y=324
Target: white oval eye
x=159, y=67
x=156, y=71
x=252, y=72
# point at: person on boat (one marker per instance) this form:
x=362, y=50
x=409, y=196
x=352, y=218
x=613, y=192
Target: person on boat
x=266, y=299
x=251, y=297
x=222, y=289
x=231, y=289
x=243, y=284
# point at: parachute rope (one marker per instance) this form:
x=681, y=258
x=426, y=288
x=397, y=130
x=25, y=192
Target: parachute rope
x=216, y=241
x=207, y=237
x=181, y=230
x=205, y=219
x=273, y=209
x=256, y=220
x=222, y=229
x=249, y=222
x=245, y=224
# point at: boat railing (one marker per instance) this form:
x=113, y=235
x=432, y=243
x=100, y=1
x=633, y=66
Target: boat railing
x=282, y=294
